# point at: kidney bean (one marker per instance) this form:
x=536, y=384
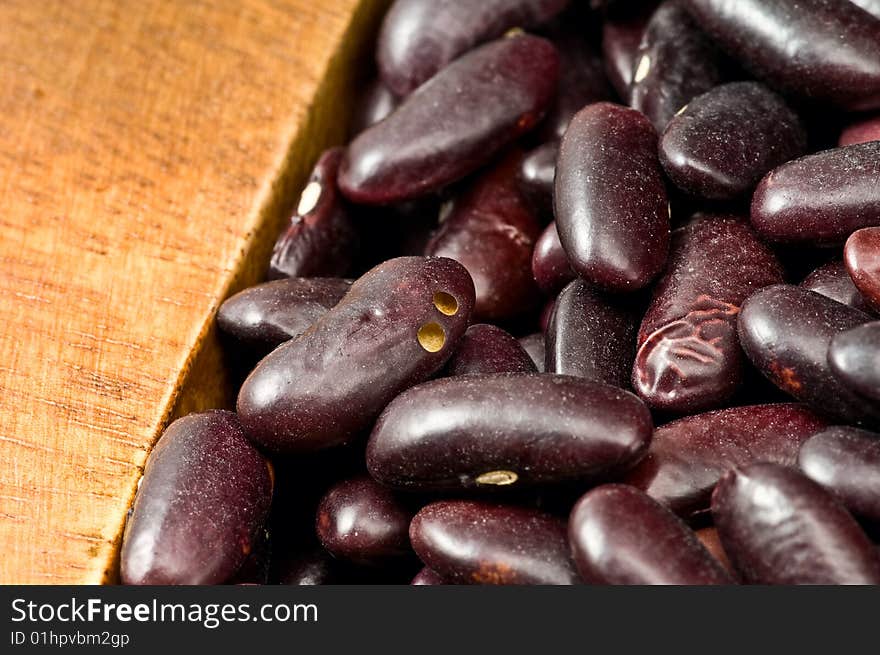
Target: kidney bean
x=492, y=231
x=200, y=507
x=712, y=542
x=428, y=577
x=688, y=356
x=419, y=38
x=468, y=542
x=486, y=349
x=846, y=461
x=314, y=566
x=824, y=50
x=820, y=198
x=321, y=240
x=861, y=131
x=861, y=254
x=675, y=63
x=786, y=331
x=619, y=536
x=269, y=314
x=780, y=527
x=506, y=431
x=255, y=568
x=688, y=456
x=854, y=358
x=534, y=346
x=362, y=522
x=433, y=139
x=397, y=325
x=621, y=35
x=610, y=199
x=832, y=280
x=375, y=103
x=537, y=170
x=550, y=266
x=591, y=335
x=723, y=142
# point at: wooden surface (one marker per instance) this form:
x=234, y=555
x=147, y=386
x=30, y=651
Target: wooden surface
x=149, y=150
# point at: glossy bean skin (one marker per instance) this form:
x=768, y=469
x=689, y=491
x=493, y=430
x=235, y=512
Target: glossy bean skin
x=486, y=349
x=468, y=542
x=861, y=132
x=688, y=456
x=642, y=542
x=533, y=344
x=491, y=231
x=724, y=141
x=321, y=240
x=846, y=461
x=200, y=507
x=610, y=198
x=361, y=521
x=505, y=432
x=591, y=335
x=688, y=356
x=621, y=36
x=822, y=198
x=785, y=331
x=550, y=266
x=433, y=139
x=536, y=175
x=675, y=63
x=854, y=358
x=428, y=577
x=861, y=255
x=267, y=315
x=419, y=38
x=824, y=50
x=832, y=280
x=374, y=104
x=780, y=527
x=397, y=325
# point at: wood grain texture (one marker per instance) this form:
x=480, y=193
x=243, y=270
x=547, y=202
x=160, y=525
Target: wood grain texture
x=149, y=151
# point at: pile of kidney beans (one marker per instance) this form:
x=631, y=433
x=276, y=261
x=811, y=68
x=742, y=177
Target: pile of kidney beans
x=591, y=296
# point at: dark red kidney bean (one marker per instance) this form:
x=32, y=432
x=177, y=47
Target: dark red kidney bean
x=486, y=349
x=723, y=142
x=832, y=280
x=824, y=50
x=506, y=431
x=534, y=346
x=786, y=331
x=610, y=199
x=621, y=536
x=871, y=6
x=780, y=527
x=854, y=358
x=688, y=356
x=374, y=104
x=428, y=577
x=861, y=254
x=432, y=139
x=591, y=335
x=688, y=456
x=550, y=265
x=675, y=62
x=397, y=325
x=861, y=132
x=200, y=507
x=822, y=198
x=419, y=38
x=491, y=231
x=271, y=313
x=621, y=36
x=582, y=80
x=321, y=240
x=361, y=521
x=846, y=461
x=468, y=542
x=537, y=170
x=712, y=542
